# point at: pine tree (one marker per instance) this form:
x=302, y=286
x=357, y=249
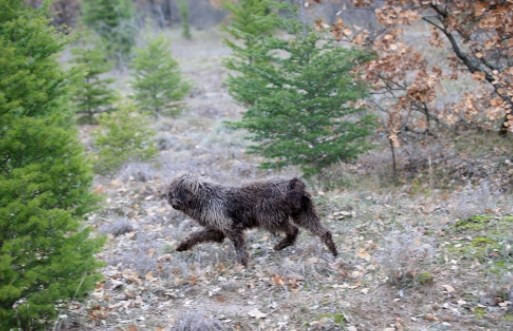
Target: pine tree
x=94, y=94
x=46, y=254
x=251, y=22
x=123, y=136
x=303, y=91
x=183, y=7
x=113, y=20
x=157, y=81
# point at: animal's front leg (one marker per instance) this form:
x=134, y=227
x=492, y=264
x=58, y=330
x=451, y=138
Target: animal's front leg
x=199, y=237
x=237, y=237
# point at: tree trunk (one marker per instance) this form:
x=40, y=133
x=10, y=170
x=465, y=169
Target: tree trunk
x=505, y=128
x=167, y=11
x=394, y=161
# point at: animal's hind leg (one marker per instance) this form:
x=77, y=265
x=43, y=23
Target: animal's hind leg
x=309, y=220
x=199, y=237
x=291, y=233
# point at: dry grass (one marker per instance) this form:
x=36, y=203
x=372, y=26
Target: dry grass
x=404, y=256
x=137, y=171
x=117, y=227
x=196, y=321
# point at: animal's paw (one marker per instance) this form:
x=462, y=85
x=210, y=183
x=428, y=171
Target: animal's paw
x=182, y=247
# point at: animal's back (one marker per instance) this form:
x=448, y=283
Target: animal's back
x=270, y=188
x=247, y=201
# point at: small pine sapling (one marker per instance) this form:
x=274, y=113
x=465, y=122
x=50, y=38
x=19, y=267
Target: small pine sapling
x=304, y=109
x=113, y=21
x=183, y=7
x=251, y=22
x=93, y=92
x=123, y=136
x=157, y=83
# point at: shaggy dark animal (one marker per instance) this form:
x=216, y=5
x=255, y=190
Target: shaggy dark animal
x=228, y=211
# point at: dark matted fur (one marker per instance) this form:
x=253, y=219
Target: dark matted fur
x=228, y=211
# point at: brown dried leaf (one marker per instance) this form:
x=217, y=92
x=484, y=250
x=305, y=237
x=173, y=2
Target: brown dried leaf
x=278, y=280
x=363, y=254
x=131, y=276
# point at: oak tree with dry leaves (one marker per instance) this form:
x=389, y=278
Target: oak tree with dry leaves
x=439, y=63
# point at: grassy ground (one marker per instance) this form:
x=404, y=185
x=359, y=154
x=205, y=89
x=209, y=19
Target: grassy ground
x=416, y=256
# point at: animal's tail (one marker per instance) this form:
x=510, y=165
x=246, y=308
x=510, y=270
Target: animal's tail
x=304, y=214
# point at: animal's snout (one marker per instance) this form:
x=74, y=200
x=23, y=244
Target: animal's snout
x=167, y=195
x=175, y=203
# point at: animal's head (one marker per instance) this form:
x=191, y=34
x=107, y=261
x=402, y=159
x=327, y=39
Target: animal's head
x=182, y=191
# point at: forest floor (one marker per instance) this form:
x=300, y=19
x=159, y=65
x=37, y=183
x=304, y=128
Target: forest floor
x=412, y=257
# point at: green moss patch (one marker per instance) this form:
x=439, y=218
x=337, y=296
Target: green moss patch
x=484, y=238
x=508, y=317
x=474, y=223
x=411, y=279
x=479, y=312
x=337, y=318
x=425, y=278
